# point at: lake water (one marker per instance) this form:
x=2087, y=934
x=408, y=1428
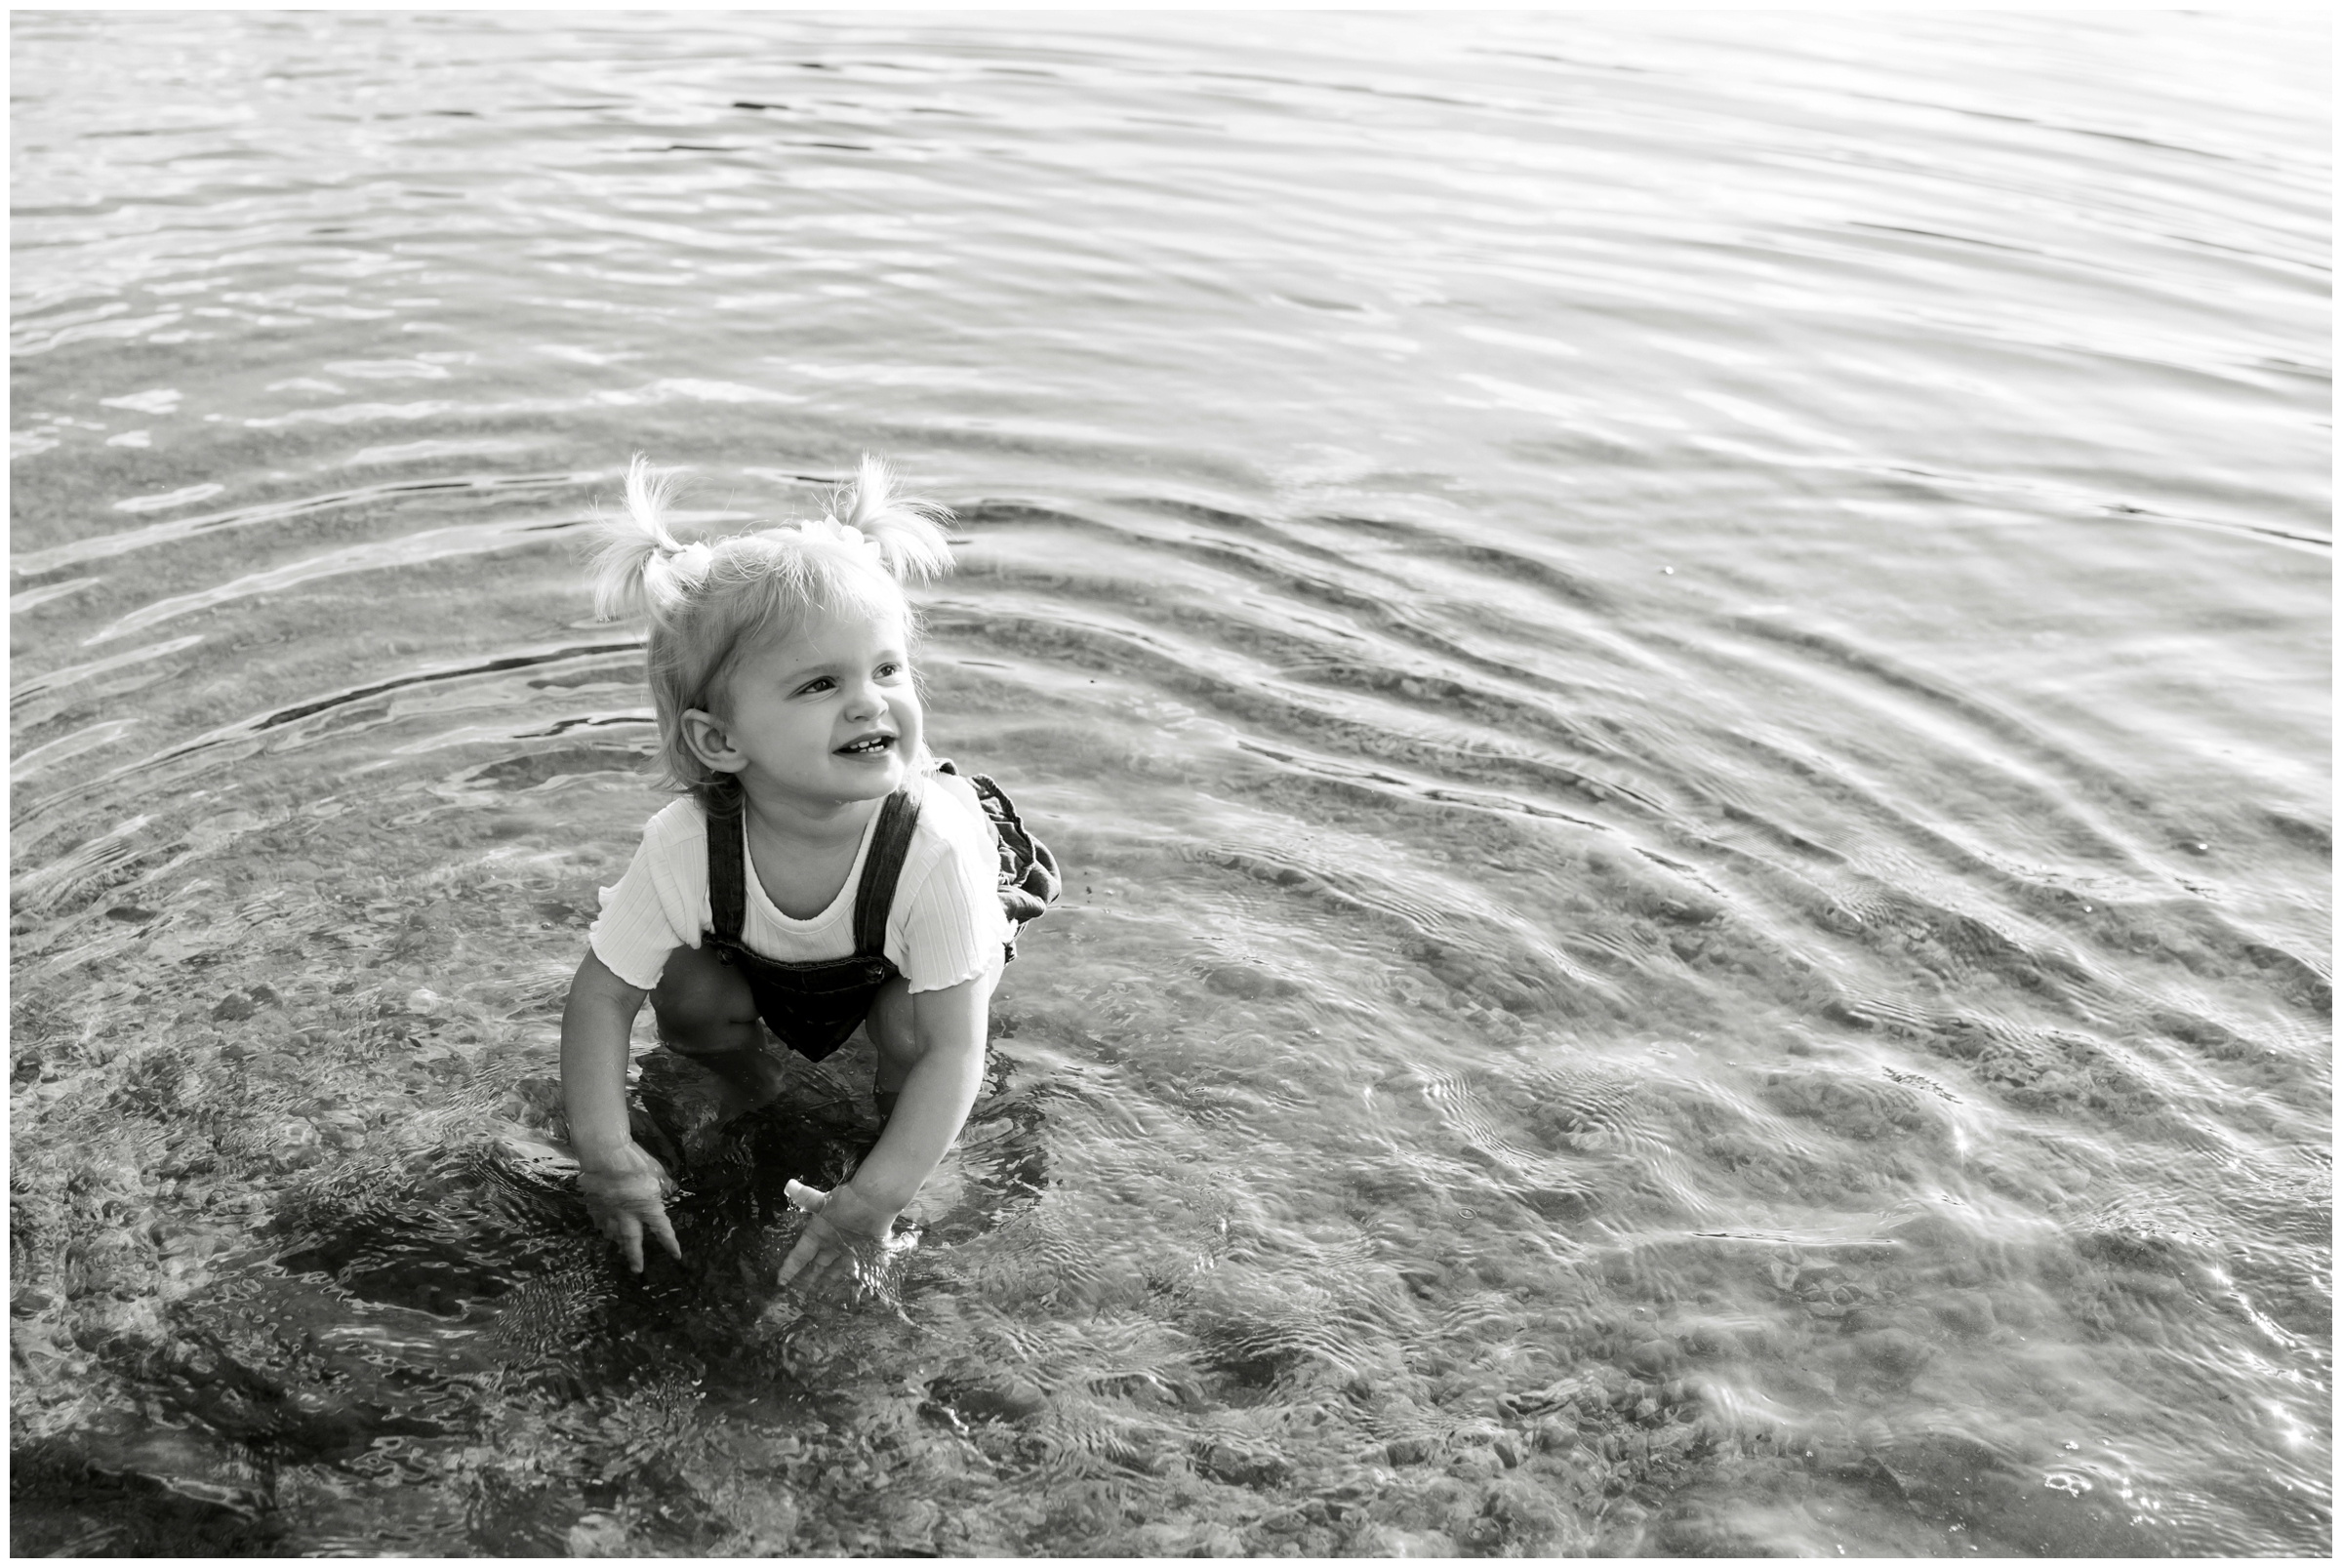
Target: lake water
x=1681, y=664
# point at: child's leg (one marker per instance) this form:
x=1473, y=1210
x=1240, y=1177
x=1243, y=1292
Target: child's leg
x=889, y=1028
x=703, y=1006
x=705, y=1012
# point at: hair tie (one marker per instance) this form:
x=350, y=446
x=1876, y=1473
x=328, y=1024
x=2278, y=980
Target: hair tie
x=859, y=540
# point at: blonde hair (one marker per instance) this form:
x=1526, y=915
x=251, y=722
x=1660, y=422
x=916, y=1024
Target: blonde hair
x=705, y=599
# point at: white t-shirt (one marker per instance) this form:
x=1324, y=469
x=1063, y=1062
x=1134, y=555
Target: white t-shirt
x=945, y=926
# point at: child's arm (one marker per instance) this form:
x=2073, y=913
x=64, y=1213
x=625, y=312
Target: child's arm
x=625, y=1189
x=950, y=1026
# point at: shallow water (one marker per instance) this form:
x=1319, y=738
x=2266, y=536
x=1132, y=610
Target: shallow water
x=1681, y=664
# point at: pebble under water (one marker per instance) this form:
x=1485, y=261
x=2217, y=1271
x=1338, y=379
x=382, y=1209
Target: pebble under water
x=1680, y=664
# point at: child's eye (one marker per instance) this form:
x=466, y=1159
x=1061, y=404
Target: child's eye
x=818, y=683
x=889, y=672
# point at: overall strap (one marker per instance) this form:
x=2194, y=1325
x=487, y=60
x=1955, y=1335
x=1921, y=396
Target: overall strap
x=875, y=899
x=727, y=875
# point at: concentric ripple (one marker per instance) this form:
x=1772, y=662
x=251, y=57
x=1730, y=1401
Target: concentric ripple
x=1681, y=669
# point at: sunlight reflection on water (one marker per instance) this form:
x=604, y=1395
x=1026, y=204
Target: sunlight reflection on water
x=1681, y=667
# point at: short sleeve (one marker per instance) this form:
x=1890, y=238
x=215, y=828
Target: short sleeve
x=657, y=906
x=954, y=928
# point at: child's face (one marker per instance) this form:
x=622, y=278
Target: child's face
x=820, y=715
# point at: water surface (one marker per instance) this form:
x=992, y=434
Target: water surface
x=1681, y=664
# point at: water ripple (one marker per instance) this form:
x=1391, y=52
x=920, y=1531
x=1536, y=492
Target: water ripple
x=1679, y=673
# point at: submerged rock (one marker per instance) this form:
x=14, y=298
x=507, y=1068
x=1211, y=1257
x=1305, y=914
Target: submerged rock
x=1390, y=1541
x=1527, y=1516
x=1654, y=1358
x=1474, y=1464
x=1243, y=1465
x=111, y=1262
x=127, y=1327
x=1893, y=1354
x=295, y=1144
x=598, y=1534
x=1004, y=1399
x=767, y=1519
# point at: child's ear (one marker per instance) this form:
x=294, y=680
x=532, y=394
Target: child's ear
x=708, y=741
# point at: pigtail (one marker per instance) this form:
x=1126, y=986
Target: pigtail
x=908, y=534
x=641, y=566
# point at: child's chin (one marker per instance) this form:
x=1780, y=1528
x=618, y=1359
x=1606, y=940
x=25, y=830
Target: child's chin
x=880, y=775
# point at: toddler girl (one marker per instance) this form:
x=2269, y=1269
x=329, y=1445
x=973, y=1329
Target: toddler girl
x=820, y=872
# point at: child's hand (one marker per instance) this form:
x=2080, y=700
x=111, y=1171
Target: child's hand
x=627, y=1197
x=840, y=1223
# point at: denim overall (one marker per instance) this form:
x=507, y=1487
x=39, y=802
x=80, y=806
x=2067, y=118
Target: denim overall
x=813, y=1006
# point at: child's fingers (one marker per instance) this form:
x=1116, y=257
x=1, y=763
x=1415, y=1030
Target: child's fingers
x=627, y=1230
x=837, y=1264
x=665, y=1233
x=812, y=1199
x=804, y=1253
x=815, y=1255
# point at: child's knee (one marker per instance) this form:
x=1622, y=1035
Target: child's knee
x=703, y=1004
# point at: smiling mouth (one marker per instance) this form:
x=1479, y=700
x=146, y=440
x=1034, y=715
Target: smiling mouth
x=869, y=745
